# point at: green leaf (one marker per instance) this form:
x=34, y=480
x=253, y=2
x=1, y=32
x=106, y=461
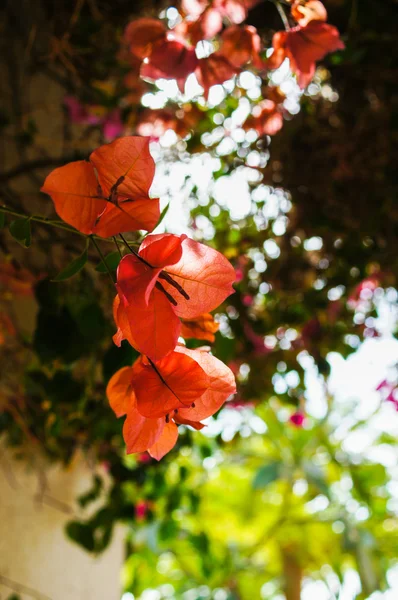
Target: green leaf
x=112, y=260
x=20, y=231
x=163, y=214
x=73, y=268
x=266, y=475
x=82, y=534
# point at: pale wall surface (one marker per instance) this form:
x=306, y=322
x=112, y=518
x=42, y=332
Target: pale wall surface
x=34, y=551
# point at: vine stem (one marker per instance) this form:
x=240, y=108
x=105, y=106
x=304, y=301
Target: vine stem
x=117, y=246
x=103, y=260
x=51, y=223
x=127, y=244
x=282, y=15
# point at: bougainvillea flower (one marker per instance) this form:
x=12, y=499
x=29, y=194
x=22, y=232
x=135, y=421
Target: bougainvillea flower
x=154, y=123
x=183, y=388
x=213, y=70
x=297, y=418
x=194, y=8
x=235, y=10
x=303, y=46
x=170, y=59
x=205, y=28
x=111, y=122
x=313, y=10
x=109, y=194
x=265, y=118
x=200, y=328
x=140, y=36
x=172, y=276
x=240, y=45
x=79, y=113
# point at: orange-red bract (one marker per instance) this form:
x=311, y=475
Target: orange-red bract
x=202, y=380
x=194, y=8
x=235, y=10
x=265, y=118
x=213, y=70
x=173, y=277
x=170, y=59
x=109, y=194
x=141, y=34
x=303, y=46
x=173, y=383
x=241, y=44
x=206, y=27
x=200, y=328
x=313, y=10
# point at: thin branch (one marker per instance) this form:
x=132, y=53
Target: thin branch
x=282, y=15
x=19, y=588
x=51, y=223
x=111, y=275
x=38, y=163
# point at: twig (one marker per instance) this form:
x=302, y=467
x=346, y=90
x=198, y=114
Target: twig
x=23, y=589
x=38, y=163
x=51, y=223
x=283, y=16
x=111, y=275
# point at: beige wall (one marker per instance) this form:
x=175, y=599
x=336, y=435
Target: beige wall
x=36, y=558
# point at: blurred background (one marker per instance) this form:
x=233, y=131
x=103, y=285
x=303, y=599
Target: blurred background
x=291, y=491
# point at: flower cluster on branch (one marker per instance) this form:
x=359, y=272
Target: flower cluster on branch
x=170, y=277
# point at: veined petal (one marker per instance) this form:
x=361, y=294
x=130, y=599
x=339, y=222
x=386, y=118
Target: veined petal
x=172, y=383
x=74, y=191
x=126, y=157
x=120, y=393
x=165, y=442
x=140, y=433
x=221, y=385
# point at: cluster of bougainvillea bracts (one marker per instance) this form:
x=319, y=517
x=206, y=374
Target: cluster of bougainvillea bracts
x=108, y=194
x=165, y=291
x=170, y=53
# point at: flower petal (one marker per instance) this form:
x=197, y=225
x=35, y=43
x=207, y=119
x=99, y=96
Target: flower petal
x=221, y=385
x=119, y=391
x=74, y=191
x=165, y=442
x=172, y=383
x=126, y=157
x=140, y=433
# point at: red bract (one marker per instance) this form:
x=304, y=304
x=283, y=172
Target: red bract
x=310, y=11
x=140, y=35
x=154, y=123
x=109, y=194
x=265, y=118
x=200, y=328
x=172, y=276
x=183, y=388
x=213, y=70
x=170, y=60
x=205, y=28
x=241, y=45
x=235, y=10
x=194, y=8
x=303, y=46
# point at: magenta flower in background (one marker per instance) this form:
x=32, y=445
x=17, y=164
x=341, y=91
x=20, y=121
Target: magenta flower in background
x=297, y=418
x=111, y=123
